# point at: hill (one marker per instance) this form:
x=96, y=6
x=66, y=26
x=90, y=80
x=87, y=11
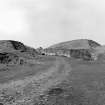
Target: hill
x=12, y=45
x=80, y=49
x=13, y=52
x=76, y=44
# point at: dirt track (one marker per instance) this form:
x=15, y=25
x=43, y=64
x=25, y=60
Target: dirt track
x=43, y=80
x=83, y=82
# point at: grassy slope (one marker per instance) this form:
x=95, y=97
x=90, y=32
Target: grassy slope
x=74, y=44
x=57, y=81
x=13, y=72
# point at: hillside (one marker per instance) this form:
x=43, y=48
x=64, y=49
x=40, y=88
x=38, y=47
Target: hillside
x=76, y=44
x=11, y=45
x=80, y=49
x=14, y=52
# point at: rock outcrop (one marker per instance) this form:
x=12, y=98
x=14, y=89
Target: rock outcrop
x=18, y=45
x=11, y=45
x=81, y=54
x=93, y=44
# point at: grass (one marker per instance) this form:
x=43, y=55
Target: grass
x=57, y=81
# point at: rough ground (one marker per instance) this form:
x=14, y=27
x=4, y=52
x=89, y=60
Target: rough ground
x=33, y=82
x=53, y=81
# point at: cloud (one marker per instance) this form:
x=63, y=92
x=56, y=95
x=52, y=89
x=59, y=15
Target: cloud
x=45, y=22
x=48, y=19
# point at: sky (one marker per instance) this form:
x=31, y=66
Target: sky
x=46, y=22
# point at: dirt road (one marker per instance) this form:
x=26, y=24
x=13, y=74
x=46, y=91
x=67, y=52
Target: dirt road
x=41, y=81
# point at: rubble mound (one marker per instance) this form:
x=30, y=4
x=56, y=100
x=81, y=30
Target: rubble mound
x=18, y=45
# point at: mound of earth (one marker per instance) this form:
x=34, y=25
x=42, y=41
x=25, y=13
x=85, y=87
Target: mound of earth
x=76, y=44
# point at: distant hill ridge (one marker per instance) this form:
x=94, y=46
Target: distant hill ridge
x=12, y=51
x=76, y=44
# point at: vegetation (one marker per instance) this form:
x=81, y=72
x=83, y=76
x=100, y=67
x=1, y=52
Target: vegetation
x=29, y=78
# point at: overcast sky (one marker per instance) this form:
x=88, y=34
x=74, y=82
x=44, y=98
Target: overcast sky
x=46, y=22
